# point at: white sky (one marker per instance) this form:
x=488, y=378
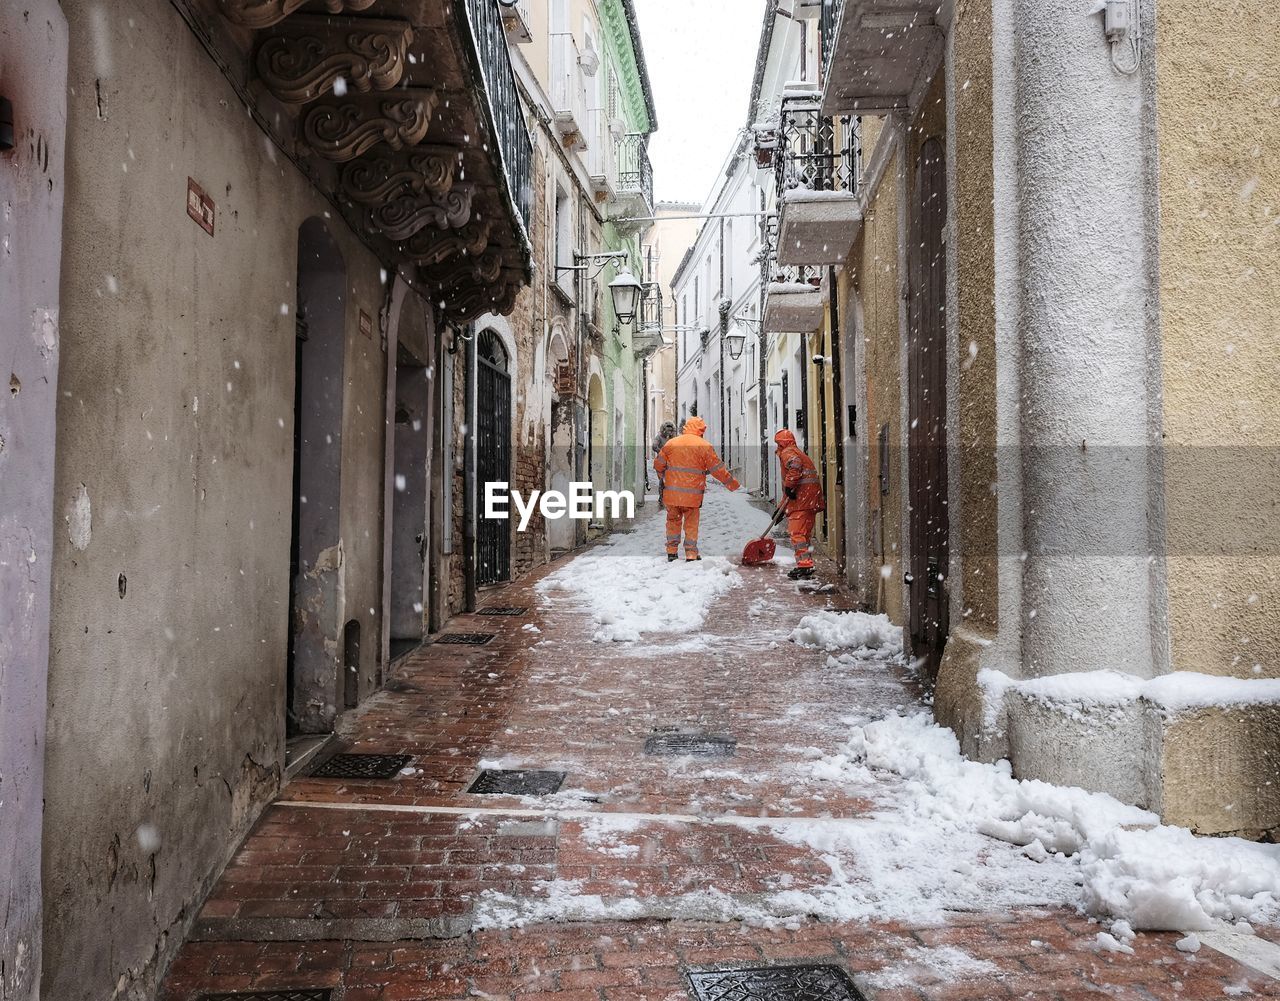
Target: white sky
x=701, y=55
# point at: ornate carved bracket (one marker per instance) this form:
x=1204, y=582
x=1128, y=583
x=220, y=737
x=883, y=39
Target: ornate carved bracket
x=468, y=303
x=265, y=13
x=372, y=180
x=341, y=130
x=400, y=217
x=308, y=55
x=482, y=269
x=435, y=246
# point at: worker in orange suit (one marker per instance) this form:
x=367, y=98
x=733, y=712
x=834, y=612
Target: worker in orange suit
x=683, y=465
x=803, y=490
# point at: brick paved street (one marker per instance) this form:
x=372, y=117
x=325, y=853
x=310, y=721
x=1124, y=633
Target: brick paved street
x=641, y=867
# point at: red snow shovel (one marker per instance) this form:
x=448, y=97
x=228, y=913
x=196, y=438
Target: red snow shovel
x=761, y=550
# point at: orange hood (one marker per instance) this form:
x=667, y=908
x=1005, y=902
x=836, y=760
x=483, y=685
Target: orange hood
x=695, y=425
x=784, y=439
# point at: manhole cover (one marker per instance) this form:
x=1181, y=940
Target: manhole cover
x=503, y=610
x=516, y=782
x=466, y=639
x=701, y=745
x=775, y=983
x=362, y=766
x=286, y=995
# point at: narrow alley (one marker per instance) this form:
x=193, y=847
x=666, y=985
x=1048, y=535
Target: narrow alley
x=704, y=814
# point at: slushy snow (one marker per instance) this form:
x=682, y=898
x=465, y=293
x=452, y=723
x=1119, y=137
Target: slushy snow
x=631, y=589
x=867, y=636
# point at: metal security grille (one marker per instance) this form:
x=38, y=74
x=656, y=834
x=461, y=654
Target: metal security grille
x=493, y=456
x=362, y=766
x=283, y=995
x=466, y=639
x=516, y=782
x=503, y=610
x=774, y=983
x=701, y=745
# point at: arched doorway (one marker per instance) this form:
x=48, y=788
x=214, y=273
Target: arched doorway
x=560, y=457
x=412, y=432
x=493, y=454
x=314, y=685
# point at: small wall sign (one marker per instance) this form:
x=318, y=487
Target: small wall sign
x=200, y=206
x=366, y=324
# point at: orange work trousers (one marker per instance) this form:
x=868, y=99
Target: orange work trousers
x=683, y=520
x=800, y=525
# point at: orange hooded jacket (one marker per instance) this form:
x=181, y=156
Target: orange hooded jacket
x=800, y=474
x=684, y=464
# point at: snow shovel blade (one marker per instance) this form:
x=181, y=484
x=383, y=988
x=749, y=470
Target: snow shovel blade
x=758, y=551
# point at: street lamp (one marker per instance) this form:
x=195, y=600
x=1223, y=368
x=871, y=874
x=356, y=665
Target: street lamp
x=625, y=290
x=735, y=342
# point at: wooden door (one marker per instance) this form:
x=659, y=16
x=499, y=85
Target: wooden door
x=927, y=403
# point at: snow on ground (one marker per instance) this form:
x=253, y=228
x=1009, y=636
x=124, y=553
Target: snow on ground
x=631, y=589
x=1132, y=868
x=868, y=636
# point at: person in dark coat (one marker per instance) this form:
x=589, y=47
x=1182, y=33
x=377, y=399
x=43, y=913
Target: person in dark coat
x=665, y=433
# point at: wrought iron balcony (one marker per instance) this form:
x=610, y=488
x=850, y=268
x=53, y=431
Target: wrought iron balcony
x=817, y=162
x=827, y=22
x=634, y=197
x=877, y=53
x=515, y=148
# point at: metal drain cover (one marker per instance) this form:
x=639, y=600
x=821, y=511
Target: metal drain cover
x=774, y=983
x=466, y=639
x=702, y=745
x=362, y=766
x=503, y=610
x=285, y=995
x=516, y=782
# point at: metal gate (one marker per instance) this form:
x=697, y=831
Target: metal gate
x=927, y=387
x=493, y=455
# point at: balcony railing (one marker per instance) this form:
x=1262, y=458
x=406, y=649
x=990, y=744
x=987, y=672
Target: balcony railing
x=635, y=172
x=816, y=152
x=568, y=87
x=515, y=148
x=827, y=22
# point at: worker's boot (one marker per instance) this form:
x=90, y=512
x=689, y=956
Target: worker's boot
x=801, y=573
x=693, y=559
x=672, y=557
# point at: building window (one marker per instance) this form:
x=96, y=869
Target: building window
x=564, y=241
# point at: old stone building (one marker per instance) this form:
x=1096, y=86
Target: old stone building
x=251, y=239
x=1034, y=290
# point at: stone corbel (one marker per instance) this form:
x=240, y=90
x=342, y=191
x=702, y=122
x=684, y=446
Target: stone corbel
x=435, y=246
x=470, y=302
x=307, y=55
x=341, y=130
x=264, y=13
x=400, y=217
x=482, y=269
x=426, y=169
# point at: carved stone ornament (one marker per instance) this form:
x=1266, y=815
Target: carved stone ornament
x=265, y=13
x=435, y=246
x=424, y=169
x=342, y=130
x=399, y=218
x=482, y=269
x=469, y=302
x=309, y=55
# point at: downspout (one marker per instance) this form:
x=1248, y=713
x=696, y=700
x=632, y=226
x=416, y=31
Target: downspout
x=469, y=480
x=762, y=403
x=724, y=328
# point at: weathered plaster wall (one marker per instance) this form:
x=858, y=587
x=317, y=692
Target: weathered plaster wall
x=1219, y=193
x=879, y=286
x=33, y=68
x=170, y=612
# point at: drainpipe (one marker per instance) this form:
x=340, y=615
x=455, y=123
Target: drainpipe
x=761, y=401
x=724, y=376
x=469, y=479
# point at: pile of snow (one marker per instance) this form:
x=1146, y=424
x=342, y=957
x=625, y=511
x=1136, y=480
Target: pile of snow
x=868, y=635
x=629, y=587
x=1150, y=876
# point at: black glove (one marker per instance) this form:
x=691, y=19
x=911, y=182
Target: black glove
x=791, y=493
